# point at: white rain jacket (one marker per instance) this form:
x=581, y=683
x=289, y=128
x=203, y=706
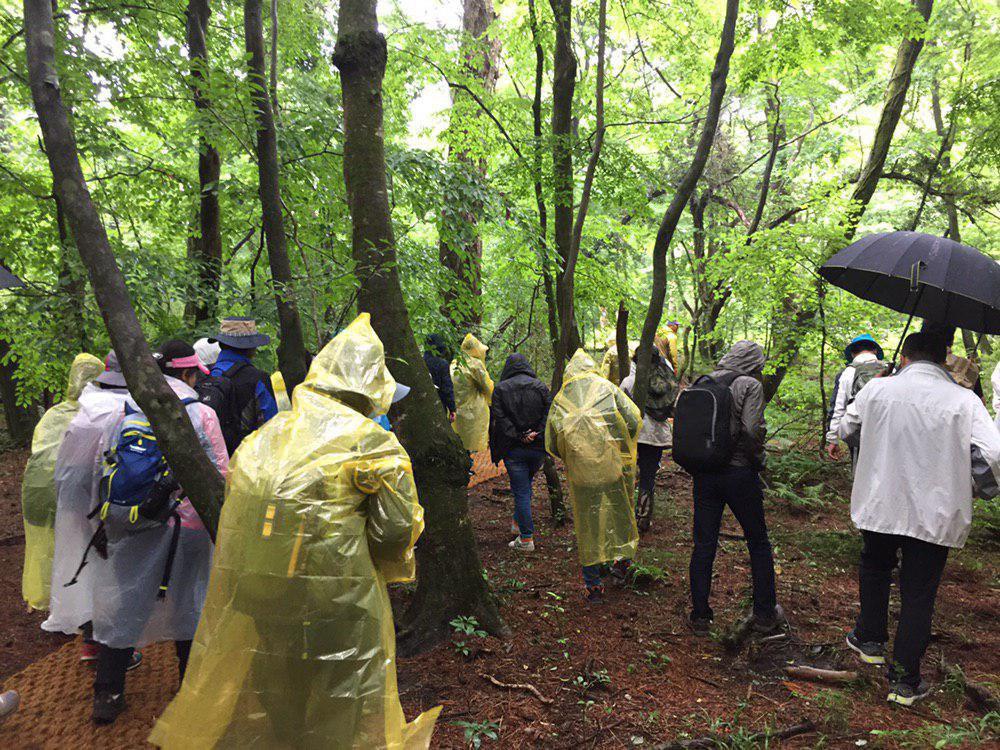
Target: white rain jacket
x=995, y=380
x=927, y=444
x=77, y=473
x=127, y=612
x=845, y=383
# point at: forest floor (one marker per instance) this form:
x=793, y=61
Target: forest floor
x=628, y=673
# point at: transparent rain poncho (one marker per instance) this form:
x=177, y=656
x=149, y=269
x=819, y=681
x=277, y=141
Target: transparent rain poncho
x=38, y=487
x=127, y=611
x=592, y=427
x=473, y=391
x=77, y=474
x=296, y=646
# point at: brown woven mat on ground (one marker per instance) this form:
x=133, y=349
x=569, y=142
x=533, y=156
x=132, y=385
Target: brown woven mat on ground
x=57, y=694
x=483, y=469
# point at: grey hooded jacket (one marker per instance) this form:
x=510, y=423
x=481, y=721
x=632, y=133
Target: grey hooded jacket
x=747, y=359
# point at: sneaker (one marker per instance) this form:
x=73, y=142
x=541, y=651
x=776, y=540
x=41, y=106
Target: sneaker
x=89, y=651
x=595, y=595
x=619, y=570
x=107, y=706
x=870, y=652
x=906, y=694
x=9, y=703
x=135, y=661
x=524, y=545
x=701, y=626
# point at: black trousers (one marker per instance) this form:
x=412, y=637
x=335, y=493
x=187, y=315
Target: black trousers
x=738, y=487
x=112, y=664
x=648, y=459
x=919, y=577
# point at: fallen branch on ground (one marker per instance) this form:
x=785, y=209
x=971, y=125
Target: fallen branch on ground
x=980, y=698
x=820, y=675
x=717, y=740
x=530, y=688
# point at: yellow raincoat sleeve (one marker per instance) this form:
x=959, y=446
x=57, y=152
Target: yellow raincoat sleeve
x=395, y=517
x=38, y=490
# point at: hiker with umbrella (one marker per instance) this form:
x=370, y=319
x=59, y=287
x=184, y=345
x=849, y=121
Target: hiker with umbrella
x=928, y=443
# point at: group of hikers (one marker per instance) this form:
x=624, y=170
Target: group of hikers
x=283, y=629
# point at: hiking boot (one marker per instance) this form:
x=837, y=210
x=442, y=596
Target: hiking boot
x=595, y=595
x=107, y=706
x=701, y=626
x=644, y=510
x=906, y=694
x=870, y=652
x=88, y=651
x=524, y=545
x=9, y=703
x=135, y=661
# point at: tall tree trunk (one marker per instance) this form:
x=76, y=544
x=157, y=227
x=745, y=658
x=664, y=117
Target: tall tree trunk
x=461, y=246
x=72, y=283
x=551, y=306
x=292, y=348
x=563, y=87
x=799, y=318
x=685, y=189
x=177, y=438
x=892, y=109
x=450, y=581
x=20, y=420
x=207, y=247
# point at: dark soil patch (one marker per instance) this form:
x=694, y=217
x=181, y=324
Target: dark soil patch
x=22, y=641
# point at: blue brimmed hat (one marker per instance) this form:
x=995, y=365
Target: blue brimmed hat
x=241, y=333
x=864, y=338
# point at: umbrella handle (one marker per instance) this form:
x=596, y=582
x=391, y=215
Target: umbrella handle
x=914, y=279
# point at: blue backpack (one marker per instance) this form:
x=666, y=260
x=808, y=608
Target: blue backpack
x=133, y=464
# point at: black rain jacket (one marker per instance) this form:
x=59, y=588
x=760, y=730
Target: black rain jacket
x=520, y=404
x=437, y=360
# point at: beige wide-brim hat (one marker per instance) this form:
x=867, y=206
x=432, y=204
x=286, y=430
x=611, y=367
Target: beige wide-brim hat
x=241, y=333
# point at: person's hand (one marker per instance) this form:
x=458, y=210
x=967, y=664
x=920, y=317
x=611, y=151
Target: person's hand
x=451, y=416
x=833, y=450
x=529, y=437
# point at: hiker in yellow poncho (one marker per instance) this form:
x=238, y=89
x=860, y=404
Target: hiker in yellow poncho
x=593, y=427
x=38, y=487
x=296, y=648
x=609, y=364
x=473, y=391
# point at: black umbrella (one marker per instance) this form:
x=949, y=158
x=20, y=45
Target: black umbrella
x=931, y=277
x=9, y=280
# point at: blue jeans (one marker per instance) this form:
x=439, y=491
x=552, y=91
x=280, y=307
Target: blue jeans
x=591, y=576
x=522, y=465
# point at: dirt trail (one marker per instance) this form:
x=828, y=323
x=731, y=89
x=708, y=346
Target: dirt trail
x=627, y=673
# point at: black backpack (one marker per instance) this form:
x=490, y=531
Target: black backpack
x=234, y=401
x=663, y=388
x=703, y=440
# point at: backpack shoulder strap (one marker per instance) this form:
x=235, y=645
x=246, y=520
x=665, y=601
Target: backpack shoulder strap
x=237, y=367
x=188, y=401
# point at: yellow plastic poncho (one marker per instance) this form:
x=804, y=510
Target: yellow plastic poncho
x=609, y=364
x=38, y=489
x=280, y=394
x=592, y=427
x=473, y=391
x=296, y=647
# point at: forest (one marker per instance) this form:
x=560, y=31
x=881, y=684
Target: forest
x=548, y=176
